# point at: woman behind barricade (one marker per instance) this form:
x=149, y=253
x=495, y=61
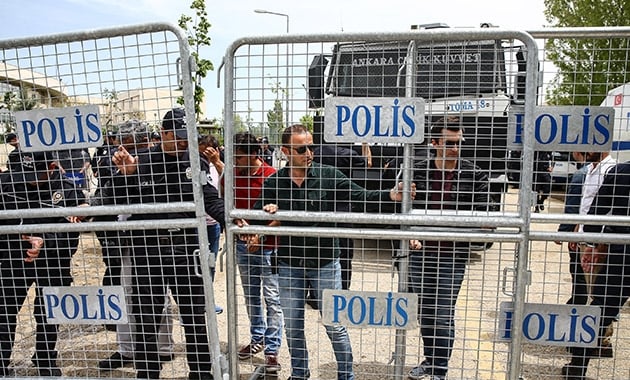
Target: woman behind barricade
x=209, y=152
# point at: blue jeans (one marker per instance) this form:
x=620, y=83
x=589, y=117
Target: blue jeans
x=437, y=279
x=294, y=283
x=258, y=277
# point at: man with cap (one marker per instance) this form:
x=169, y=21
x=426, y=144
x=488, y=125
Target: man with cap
x=117, y=257
x=42, y=259
x=166, y=256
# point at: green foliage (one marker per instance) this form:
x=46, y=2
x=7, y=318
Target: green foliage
x=20, y=100
x=275, y=116
x=275, y=120
x=587, y=68
x=197, y=38
x=111, y=108
x=307, y=121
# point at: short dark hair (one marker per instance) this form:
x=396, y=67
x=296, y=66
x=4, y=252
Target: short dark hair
x=295, y=129
x=208, y=140
x=10, y=137
x=246, y=142
x=451, y=123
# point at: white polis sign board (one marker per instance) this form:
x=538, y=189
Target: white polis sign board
x=59, y=128
x=553, y=325
x=564, y=128
x=85, y=305
x=370, y=309
x=374, y=120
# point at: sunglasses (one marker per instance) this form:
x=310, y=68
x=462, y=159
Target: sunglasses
x=452, y=144
x=302, y=149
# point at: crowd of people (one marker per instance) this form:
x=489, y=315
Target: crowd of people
x=280, y=275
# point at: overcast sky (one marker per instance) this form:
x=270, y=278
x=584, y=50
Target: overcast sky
x=232, y=19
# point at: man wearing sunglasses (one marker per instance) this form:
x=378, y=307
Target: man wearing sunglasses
x=311, y=261
x=436, y=268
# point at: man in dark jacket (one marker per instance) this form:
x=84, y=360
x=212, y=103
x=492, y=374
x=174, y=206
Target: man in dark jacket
x=436, y=268
x=611, y=288
x=310, y=261
x=572, y=199
x=165, y=257
x=42, y=259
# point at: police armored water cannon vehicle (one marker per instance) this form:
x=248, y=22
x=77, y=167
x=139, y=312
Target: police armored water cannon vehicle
x=477, y=81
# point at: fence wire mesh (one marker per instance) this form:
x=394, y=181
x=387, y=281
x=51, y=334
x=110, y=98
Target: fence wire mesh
x=469, y=231
x=124, y=284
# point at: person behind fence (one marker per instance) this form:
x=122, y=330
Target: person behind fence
x=133, y=136
x=13, y=159
x=256, y=258
x=311, y=261
x=611, y=288
x=437, y=268
x=75, y=165
x=542, y=178
x=209, y=151
x=573, y=195
x=266, y=151
x=344, y=159
x=166, y=257
x=42, y=259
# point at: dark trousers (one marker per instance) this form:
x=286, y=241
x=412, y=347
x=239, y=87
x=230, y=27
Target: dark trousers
x=610, y=293
x=579, y=289
x=436, y=277
x=154, y=272
x=16, y=277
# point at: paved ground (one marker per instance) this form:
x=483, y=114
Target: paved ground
x=478, y=354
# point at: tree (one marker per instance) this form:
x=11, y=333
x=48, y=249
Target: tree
x=197, y=38
x=587, y=67
x=111, y=106
x=19, y=100
x=307, y=121
x=275, y=116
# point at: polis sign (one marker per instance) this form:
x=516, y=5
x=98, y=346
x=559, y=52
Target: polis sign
x=374, y=120
x=553, y=325
x=386, y=310
x=59, y=128
x=564, y=128
x=85, y=305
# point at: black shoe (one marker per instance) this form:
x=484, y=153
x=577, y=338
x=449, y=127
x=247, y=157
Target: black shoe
x=570, y=372
x=312, y=302
x=7, y=372
x=49, y=372
x=166, y=358
x=115, y=361
x=200, y=376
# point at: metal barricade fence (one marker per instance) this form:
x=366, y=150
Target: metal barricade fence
x=477, y=76
x=146, y=225
x=594, y=61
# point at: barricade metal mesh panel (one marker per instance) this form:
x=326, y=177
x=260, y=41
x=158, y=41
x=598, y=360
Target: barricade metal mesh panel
x=136, y=255
x=271, y=85
x=583, y=67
